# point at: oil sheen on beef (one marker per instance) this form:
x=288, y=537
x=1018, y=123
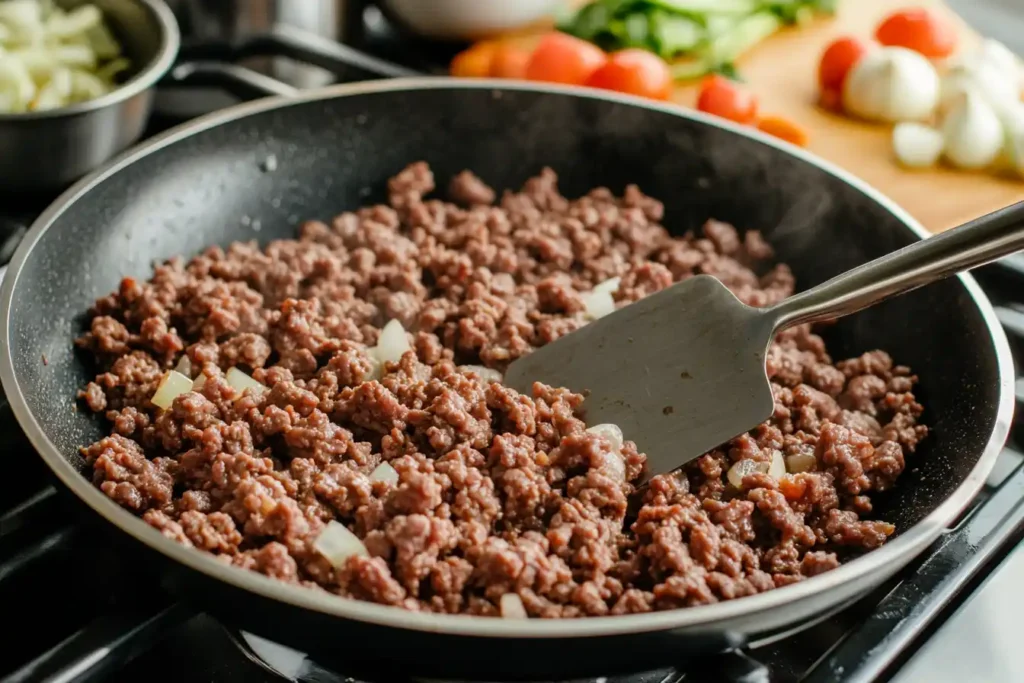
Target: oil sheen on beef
x=498, y=492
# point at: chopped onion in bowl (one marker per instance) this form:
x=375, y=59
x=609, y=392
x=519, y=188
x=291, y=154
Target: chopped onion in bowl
x=240, y=381
x=392, y=343
x=742, y=469
x=801, y=462
x=777, y=467
x=386, y=473
x=173, y=385
x=486, y=374
x=512, y=607
x=611, y=285
x=598, y=304
x=51, y=58
x=184, y=366
x=336, y=543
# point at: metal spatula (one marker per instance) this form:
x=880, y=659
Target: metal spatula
x=683, y=370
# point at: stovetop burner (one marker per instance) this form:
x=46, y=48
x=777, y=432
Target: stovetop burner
x=114, y=624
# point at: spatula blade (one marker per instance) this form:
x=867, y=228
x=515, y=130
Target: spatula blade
x=680, y=372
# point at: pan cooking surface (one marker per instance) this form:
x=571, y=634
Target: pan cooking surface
x=333, y=154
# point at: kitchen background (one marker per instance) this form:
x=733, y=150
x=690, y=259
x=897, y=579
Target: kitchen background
x=951, y=617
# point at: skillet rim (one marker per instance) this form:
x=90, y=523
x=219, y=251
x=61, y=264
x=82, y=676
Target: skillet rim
x=911, y=541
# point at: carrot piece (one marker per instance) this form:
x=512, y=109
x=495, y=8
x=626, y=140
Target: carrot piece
x=783, y=129
x=474, y=61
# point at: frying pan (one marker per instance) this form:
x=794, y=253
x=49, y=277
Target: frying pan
x=335, y=148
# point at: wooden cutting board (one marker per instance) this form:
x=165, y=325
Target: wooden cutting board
x=782, y=71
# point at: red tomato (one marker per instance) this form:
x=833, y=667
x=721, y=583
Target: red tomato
x=509, y=61
x=561, y=58
x=722, y=97
x=837, y=60
x=636, y=72
x=919, y=30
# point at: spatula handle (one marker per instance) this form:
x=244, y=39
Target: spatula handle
x=972, y=244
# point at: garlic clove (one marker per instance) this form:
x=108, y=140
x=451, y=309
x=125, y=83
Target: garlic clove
x=973, y=132
x=892, y=84
x=1012, y=157
x=917, y=145
x=985, y=78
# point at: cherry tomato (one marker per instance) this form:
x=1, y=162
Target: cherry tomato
x=561, y=58
x=509, y=61
x=837, y=60
x=725, y=98
x=919, y=30
x=636, y=72
x=474, y=62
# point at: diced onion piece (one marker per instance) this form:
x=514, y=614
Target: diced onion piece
x=70, y=24
x=200, y=381
x=916, y=145
x=598, y=304
x=611, y=285
x=173, y=385
x=392, y=343
x=801, y=462
x=615, y=464
x=240, y=381
x=512, y=607
x=486, y=374
x=184, y=366
x=386, y=473
x=336, y=543
x=376, y=367
x=777, y=467
x=610, y=432
x=742, y=469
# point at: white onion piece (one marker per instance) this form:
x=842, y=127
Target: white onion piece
x=611, y=285
x=336, y=543
x=199, y=382
x=777, y=467
x=610, y=432
x=801, y=462
x=392, y=343
x=598, y=304
x=184, y=366
x=742, y=469
x=486, y=374
x=512, y=607
x=386, y=473
x=240, y=381
x=173, y=385
x=916, y=145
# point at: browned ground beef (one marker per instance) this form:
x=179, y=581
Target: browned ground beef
x=498, y=491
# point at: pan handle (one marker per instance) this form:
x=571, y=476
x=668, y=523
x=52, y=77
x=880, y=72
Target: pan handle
x=238, y=80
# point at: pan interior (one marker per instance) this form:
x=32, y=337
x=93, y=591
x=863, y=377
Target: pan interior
x=213, y=187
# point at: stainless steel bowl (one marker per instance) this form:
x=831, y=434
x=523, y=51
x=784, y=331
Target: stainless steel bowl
x=46, y=151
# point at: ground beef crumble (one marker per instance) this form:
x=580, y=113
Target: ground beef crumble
x=497, y=491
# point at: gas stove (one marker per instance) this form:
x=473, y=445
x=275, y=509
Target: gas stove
x=946, y=618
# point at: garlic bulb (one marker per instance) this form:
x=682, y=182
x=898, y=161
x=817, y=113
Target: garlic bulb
x=972, y=132
x=1013, y=139
x=916, y=145
x=985, y=78
x=892, y=84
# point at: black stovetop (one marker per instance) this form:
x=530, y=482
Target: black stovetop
x=76, y=612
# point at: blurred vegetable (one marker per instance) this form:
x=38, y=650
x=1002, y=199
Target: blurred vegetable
x=836, y=62
x=891, y=84
x=920, y=30
x=722, y=97
x=51, y=58
x=916, y=145
x=784, y=129
x=709, y=34
x=635, y=72
x=474, y=62
x=561, y=58
x=509, y=61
